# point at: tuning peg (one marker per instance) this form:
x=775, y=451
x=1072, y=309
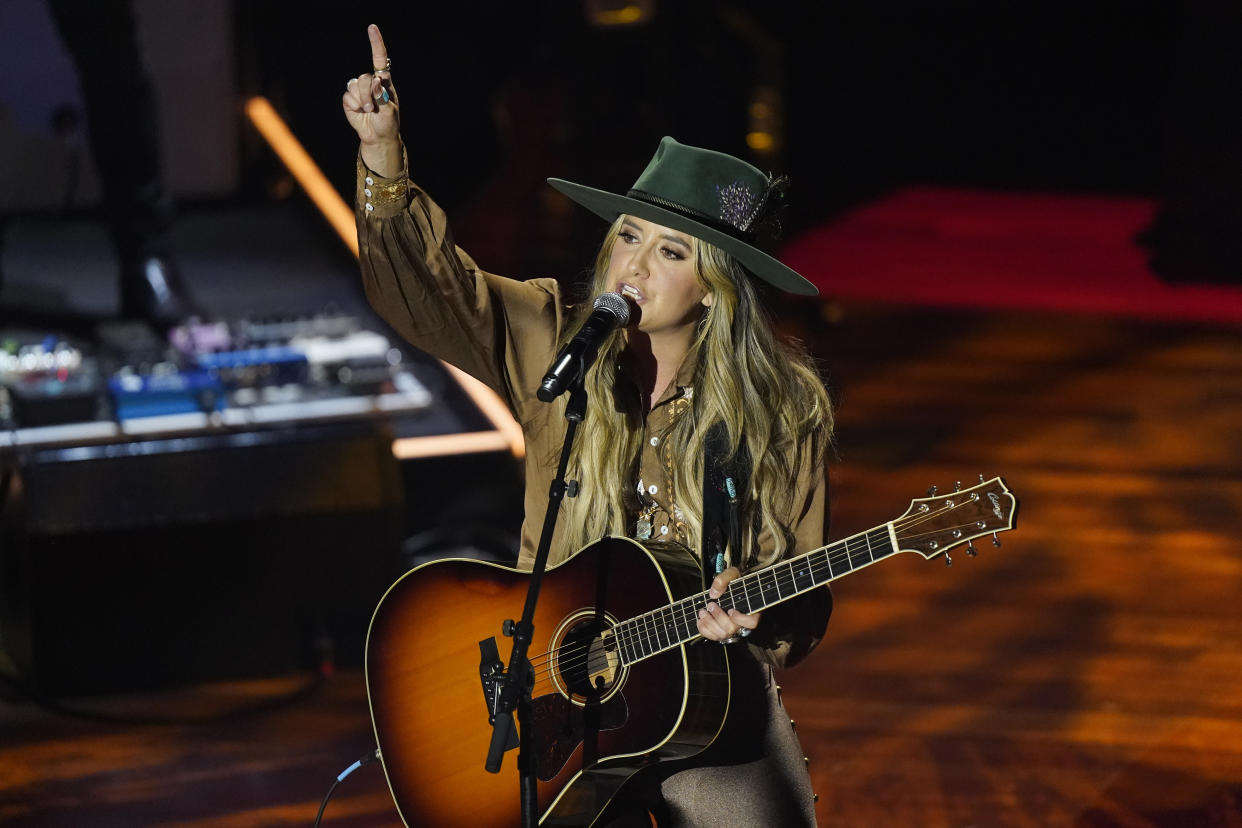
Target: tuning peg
x=970, y=548
x=931, y=491
x=948, y=559
x=995, y=540
x=957, y=487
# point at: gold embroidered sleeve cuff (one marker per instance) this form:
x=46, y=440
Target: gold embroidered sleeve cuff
x=382, y=197
x=387, y=192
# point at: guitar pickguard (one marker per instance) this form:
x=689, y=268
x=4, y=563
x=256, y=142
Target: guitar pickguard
x=561, y=726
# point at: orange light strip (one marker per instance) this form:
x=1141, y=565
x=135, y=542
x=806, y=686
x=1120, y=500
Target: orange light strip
x=303, y=168
x=475, y=442
x=494, y=408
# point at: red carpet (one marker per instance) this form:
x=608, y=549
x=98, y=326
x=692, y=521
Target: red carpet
x=982, y=249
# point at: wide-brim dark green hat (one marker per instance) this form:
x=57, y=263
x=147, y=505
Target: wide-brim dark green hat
x=708, y=194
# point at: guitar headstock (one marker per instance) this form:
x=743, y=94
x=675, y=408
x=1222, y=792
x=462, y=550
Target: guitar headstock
x=933, y=525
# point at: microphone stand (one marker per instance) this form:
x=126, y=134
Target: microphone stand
x=515, y=694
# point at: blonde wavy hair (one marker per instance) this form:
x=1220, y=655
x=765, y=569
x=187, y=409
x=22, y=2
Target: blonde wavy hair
x=766, y=392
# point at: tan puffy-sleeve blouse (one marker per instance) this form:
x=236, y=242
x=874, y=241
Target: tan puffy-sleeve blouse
x=504, y=332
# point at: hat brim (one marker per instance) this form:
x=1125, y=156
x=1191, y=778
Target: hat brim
x=610, y=205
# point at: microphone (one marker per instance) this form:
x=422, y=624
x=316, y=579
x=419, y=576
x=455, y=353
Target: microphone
x=571, y=363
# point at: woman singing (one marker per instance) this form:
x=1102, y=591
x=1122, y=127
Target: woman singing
x=695, y=385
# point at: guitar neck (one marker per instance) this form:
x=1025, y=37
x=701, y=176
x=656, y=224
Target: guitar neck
x=677, y=623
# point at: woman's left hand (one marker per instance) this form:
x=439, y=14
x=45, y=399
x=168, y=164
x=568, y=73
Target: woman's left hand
x=717, y=625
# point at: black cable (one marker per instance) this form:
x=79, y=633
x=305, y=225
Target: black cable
x=367, y=759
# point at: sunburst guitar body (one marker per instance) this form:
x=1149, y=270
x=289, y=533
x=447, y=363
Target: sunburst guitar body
x=596, y=721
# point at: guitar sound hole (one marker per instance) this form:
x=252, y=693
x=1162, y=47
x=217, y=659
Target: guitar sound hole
x=587, y=660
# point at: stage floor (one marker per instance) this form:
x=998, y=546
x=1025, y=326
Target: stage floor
x=1084, y=673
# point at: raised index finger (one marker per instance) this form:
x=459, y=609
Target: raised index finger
x=379, y=52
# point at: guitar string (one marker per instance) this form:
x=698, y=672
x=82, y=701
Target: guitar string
x=933, y=514
x=833, y=556
x=686, y=611
x=681, y=613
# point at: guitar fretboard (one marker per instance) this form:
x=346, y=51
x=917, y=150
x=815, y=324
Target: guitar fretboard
x=677, y=623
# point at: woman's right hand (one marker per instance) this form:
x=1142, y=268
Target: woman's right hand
x=375, y=119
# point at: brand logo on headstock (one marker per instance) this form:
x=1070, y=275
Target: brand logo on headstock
x=996, y=509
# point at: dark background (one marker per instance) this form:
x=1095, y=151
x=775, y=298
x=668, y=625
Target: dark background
x=1102, y=97
x=1126, y=98
x=1069, y=98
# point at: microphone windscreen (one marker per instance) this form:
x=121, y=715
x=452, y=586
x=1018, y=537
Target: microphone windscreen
x=614, y=303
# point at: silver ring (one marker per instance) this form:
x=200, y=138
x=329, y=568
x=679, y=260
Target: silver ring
x=733, y=639
x=742, y=632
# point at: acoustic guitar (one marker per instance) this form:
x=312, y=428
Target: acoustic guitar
x=619, y=683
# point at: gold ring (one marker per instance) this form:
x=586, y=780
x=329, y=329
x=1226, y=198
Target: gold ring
x=386, y=68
